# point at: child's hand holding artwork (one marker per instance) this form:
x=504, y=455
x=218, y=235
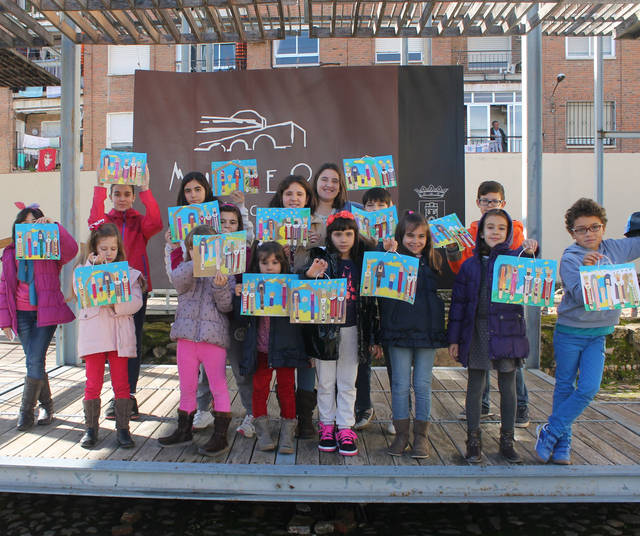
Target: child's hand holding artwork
x=317, y=268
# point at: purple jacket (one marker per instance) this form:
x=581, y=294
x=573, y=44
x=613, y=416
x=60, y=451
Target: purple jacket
x=507, y=333
x=52, y=308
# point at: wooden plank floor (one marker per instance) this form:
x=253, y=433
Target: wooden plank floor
x=606, y=434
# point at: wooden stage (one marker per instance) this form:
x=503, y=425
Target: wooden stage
x=606, y=453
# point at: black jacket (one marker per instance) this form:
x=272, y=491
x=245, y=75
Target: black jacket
x=322, y=340
x=420, y=325
x=286, y=344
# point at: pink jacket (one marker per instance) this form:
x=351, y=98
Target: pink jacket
x=109, y=328
x=52, y=308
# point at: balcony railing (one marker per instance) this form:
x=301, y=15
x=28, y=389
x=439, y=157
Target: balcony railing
x=53, y=66
x=488, y=61
x=484, y=144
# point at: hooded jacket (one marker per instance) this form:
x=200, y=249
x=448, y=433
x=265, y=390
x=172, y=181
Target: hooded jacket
x=507, y=332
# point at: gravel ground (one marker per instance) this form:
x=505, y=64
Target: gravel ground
x=39, y=515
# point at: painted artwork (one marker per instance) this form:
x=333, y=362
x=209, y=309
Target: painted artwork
x=448, y=230
x=118, y=167
x=287, y=226
x=37, y=241
x=609, y=286
x=389, y=275
x=377, y=224
x=231, y=175
x=266, y=294
x=524, y=281
x=183, y=219
x=370, y=172
x=102, y=284
x=226, y=253
x=318, y=301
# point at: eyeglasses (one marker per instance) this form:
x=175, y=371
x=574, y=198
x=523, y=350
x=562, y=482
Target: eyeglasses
x=593, y=228
x=484, y=202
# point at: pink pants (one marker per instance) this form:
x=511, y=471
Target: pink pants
x=94, y=369
x=213, y=358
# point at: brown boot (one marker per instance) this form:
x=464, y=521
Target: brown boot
x=218, y=443
x=287, y=436
x=265, y=442
x=305, y=404
x=123, y=412
x=30, y=394
x=91, y=416
x=181, y=435
x=46, y=403
x=474, y=446
x=507, y=449
x=401, y=440
x=420, y=441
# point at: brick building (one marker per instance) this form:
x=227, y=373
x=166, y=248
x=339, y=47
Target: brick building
x=492, y=71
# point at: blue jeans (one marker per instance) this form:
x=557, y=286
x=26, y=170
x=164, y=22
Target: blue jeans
x=35, y=342
x=522, y=393
x=574, y=354
x=401, y=361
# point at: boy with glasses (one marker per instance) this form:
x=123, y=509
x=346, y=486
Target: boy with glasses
x=579, y=337
x=491, y=196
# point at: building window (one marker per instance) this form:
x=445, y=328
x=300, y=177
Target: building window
x=212, y=57
x=120, y=131
x=580, y=123
x=50, y=129
x=483, y=107
x=127, y=59
x=583, y=48
x=489, y=54
x=388, y=50
x=296, y=51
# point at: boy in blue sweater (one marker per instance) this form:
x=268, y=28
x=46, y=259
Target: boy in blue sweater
x=579, y=338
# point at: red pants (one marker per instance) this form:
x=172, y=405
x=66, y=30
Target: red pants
x=94, y=369
x=285, y=378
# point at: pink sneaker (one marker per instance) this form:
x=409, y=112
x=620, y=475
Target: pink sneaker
x=347, y=442
x=327, y=437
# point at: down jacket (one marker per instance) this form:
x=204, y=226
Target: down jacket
x=507, y=333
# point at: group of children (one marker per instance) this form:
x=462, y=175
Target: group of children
x=328, y=365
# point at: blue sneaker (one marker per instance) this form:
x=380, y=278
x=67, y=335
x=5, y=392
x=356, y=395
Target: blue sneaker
x=562, y=451
x=545, y=443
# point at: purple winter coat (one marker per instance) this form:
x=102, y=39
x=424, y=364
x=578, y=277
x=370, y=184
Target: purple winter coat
x=52, y=308
x=507, y=332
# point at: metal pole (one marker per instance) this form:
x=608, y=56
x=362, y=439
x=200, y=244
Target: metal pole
x=532, y=164
x=66, y=352
x=404, y=51
x=598, y=111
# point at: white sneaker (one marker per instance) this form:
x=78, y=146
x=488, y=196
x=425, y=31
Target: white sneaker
x=246, y=428
x=201, y=420
x=391, y=429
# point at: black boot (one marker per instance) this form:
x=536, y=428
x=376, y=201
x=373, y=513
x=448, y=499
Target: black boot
x=123, y=411
x=91, y=416
x=474, y=447
x=46, y=403
x=218, y=443
x=305, y=404
x=181, y=435
x=507, y=450
x=30, y=395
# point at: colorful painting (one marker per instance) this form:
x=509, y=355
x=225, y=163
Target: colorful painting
x=235, y=175
x=609, y=286
x=266, y=294
x=117, y=167
x=37, y=241
x=318, y=301
x=377, y=224
x=102, y=284
x=524, y=281
x=369, y=172
x=226, y=253
x=183, y=219
x=287, y=226
x=448, y=230
x=389, y=275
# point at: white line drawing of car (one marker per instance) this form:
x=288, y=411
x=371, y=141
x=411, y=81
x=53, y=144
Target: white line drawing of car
x=245, y=128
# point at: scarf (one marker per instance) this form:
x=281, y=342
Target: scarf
x=26, y=275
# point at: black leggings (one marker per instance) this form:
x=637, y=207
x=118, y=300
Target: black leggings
x=475, y=387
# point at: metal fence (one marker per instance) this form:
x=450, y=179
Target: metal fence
x=488, y=61
x=480, y=143
x=580, y=123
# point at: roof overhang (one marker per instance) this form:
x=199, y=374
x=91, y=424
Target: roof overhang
x=16, y=71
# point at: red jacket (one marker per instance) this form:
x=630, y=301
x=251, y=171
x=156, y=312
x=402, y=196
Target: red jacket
x=518, y=238
x=135, y=228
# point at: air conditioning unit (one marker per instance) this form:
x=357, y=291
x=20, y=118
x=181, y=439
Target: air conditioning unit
x=510, y=69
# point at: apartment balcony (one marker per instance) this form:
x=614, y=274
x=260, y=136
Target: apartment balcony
x=484, y=144
x=489, y=64
x=51, y=65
